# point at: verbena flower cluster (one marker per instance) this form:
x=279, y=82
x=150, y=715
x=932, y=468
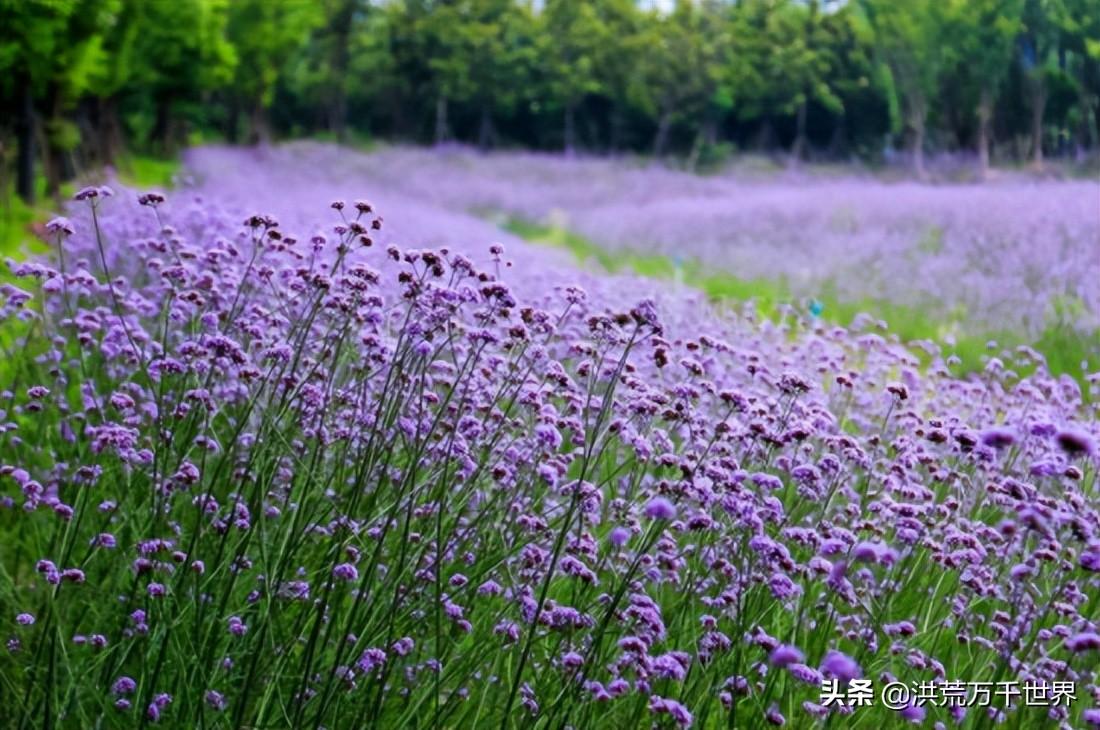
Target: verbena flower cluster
x=1014, y=254
x=267, y=475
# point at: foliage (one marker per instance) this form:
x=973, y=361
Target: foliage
x=1007, y=78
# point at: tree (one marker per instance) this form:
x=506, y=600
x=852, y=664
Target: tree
x=859, y=106
x=265, y=34
x=1038, y=58
x=980, y=34
x=502, y=55
x=112, y=78
x=679, y=72
x=801, y=66
x=340, y=18
x=572, y=38
x=182, y=53
x=82, y=79
x=746, y=72
x=619, y=61
x=315, y=81
x=482, y=51
x=1078, y=24
x=909, y=40
x=48, y=55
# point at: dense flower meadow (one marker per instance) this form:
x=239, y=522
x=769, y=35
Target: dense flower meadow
x=308, y=472
x=1016, y=254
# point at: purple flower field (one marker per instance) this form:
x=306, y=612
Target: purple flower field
x=1000, y=256
x=270, y=460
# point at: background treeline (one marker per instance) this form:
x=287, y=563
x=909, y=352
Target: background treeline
x=81, y=80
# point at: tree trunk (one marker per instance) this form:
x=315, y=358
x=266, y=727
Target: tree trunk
x=441, y=119
x=341, y=28
x=917, y=120
x=162, y=127
x=485, y=128
x=233, y=120
x=339, y=120
x=1084, y=126
x=1038, y=109
x=918, y=152
x=53, y=160
x=664, y=125
x=51, y=163
x=837, y=138
x=764, y=135
x=696, y=150
x=110, y=131
x=593, y=132
x=707, y=137
x=799, y=145
x=1094, y=134
x=615, y=137
x=259, y=129
x=985, y=114
x=24, y=175
x=569, y=133
x=87, y=154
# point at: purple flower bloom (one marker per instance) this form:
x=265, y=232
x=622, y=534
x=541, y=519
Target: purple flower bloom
x=805, y=674
x=785, y=654
x=618, y=536
x=572, y=660
x=914, y=714
x=659, y=705
x=123, y=686
x=998, y=438
x=156, y=707
x=838, y=665
x=1075, y=442
x=105, y=540
x=490, y=588
x=25, y=619
x=1085, y=641
x=346, y=572
x=866, y=552
x=60, y=225
x=659, y=508
x=370, y=660
x=673, y=665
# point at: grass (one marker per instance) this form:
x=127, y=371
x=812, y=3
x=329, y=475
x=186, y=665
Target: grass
x=18, y=219
x=1064, y=348
x=20, y=226
x=139, y=171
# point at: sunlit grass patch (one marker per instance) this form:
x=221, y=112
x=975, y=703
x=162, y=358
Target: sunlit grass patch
x=141, y=171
